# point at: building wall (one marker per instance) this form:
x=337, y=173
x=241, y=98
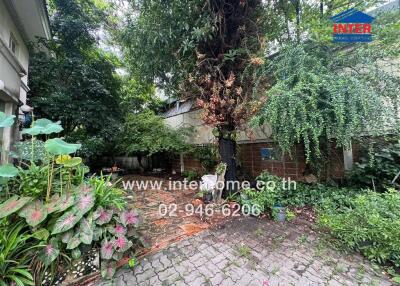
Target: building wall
x=202, y=133
x=10, y=74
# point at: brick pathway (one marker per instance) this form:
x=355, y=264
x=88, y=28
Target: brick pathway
x=162, y=231
x=250, y=251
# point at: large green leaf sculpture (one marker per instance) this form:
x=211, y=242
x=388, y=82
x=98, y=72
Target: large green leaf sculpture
x=6, y=120
x=57, y=146
x=8, y=171
x=43, y=126
x=13, y=205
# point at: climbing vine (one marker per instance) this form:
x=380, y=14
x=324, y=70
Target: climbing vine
x=327, y=94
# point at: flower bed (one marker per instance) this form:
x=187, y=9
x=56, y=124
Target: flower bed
x=51, y=214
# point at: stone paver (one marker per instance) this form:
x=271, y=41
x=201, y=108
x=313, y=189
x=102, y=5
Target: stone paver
x=250, y=251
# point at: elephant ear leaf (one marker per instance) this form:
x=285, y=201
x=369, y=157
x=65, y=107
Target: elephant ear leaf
x=41, y=234
x=129, y=217
x=67, y=221
x=122, y=244
x=60, y=204
x=12, y=205
x=108, y=269
x=102, y=216
x=86, y=230
x=57, y=146
x=107, y=249
x=6, y=120
x=49, y=253
x=34, y=213
x=84, y=203
x=66, y=236
x=8, y=171
x=74, y=241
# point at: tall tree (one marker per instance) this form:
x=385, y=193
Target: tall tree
x=207, y=50
x=73, y=80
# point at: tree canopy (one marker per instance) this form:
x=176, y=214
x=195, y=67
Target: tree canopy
x=146, y=133
x=73, y=80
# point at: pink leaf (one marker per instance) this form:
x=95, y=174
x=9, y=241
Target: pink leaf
x=129, y=217
x=107, y=250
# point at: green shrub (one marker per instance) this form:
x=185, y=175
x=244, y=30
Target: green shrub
x=207, y=156
x=378, y=168
x=190, y=175
x=301, y=194
x=107, y=195
x=370, y=224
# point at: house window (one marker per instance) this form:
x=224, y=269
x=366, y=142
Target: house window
x=13, y=45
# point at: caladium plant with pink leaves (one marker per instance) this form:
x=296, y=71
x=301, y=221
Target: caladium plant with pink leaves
x=117, y=229
x=50, y=252
x=102, y=216
x=129, y=217
x=108, y=269
x=34, y=213
x=107, y=249
x=13, y=205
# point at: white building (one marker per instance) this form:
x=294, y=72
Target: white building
x=21, y=22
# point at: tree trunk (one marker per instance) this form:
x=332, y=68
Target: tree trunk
x=227, y=151
x=141, y=167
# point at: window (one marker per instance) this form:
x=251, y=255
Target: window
x=13, y=45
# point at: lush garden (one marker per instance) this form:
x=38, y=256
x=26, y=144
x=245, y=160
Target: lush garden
x=51, y=211
x=245, y=64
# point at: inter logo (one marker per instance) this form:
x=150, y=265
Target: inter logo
x=352, y=26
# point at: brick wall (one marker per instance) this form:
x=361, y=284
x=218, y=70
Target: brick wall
x=294, y=166
x=190, y=163
x=252, y=162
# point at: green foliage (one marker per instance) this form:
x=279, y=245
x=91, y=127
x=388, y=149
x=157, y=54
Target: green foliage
x=30, y=151
x=106, y=193
x=371, y=225
x=207, y=155
x=74, y=81
x=378, y=168
x=16, y=251
x=220, y=169
x=176, y=26
x=319, y=95
x=275, y=191
x=8, y=171
x=190, y=175
x=32, y=181
x=146, y=133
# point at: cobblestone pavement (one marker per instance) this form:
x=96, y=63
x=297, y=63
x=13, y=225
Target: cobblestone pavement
x=250, y=251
